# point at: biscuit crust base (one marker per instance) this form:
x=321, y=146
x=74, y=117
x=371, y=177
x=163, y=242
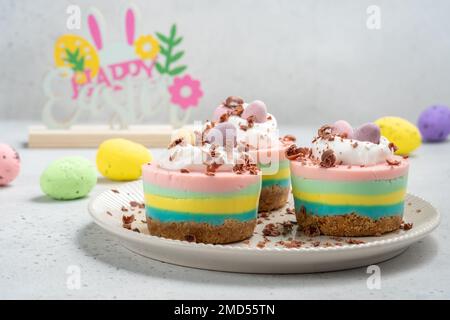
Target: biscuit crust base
x=272, y=198
x=229, y=231
x=347, y=225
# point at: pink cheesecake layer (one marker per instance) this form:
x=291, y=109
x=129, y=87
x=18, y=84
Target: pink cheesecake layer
x=382, y=171
x=198, y=181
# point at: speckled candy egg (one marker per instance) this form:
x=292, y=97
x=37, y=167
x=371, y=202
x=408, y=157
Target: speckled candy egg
x=434, y=123
x=256, y=109
x=121, y=159
x=401, y=132
x=68, y=178
x=9, y=164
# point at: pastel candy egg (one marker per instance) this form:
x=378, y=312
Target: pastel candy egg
x=222, y=134
x=220, y=110
x=9, y=164
x=121, y=159
x=342, y=127
x=401, y=132
x=368, y=132
x=257, y=109
x=434, y=123
x=185, y=133
x=68, y=178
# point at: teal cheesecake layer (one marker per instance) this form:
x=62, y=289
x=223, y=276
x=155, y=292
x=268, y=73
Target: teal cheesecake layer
x=284, y=183
x=373, y=212
x=164, y=215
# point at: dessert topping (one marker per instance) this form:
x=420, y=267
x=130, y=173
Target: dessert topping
x=328, y=159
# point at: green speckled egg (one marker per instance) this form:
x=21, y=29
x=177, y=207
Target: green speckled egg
x=68, y=178
x=401, y=132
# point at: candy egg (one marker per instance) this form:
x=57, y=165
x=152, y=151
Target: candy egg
x=222, y=134
x=68, y=178
x=220, y=110
x=434, y=123
x=185, y=133
x=121, y=159
x=401, y=132
x=368, y=132
x=342, y=127
x=257, y=109
x=9, y=164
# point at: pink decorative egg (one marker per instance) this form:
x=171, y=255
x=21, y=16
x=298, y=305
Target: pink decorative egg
x=222, y=134
x=220, y=110
x=341, y=128
x=9, y=164
x=257, y=109
x=368, y=132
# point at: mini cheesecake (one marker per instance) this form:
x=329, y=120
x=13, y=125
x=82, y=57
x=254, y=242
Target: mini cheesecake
x=348, y=185
x=197, y=193
x=258, y=130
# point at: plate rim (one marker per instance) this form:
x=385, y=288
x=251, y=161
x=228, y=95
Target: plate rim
x=424, y=230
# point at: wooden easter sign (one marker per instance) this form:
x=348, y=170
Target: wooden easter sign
x=125, y=83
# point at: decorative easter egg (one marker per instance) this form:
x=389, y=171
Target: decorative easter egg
x=401, y=132
x=68, y=178
x=257, y=109
x=222, y=134
x=187, y=134
x=368, y=132
x=434, y=123
x=9, y=164
x=342, y=127
x=220, y=110
x=121, y=159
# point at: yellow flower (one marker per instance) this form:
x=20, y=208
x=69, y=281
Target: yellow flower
x=146, y=47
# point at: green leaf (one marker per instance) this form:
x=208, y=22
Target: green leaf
x=163, y=51
x=176, y=56
x=177, y=41
x=162, y=38
x=173, y=31
x=160, y=68
x=177, y=70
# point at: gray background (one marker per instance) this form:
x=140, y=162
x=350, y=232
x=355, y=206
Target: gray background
x=311, y=61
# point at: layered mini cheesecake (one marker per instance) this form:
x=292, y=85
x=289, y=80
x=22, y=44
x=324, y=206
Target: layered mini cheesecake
x=203, y=191
x=258, y=130
x=348, y=183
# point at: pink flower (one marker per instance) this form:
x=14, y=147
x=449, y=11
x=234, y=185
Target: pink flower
x=185, y=91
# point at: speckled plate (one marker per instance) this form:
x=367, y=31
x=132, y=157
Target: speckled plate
x=289, y=252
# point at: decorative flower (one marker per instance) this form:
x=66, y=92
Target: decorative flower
x=146, y=47
x=185, y=91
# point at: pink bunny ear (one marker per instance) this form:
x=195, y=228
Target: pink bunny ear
x=129, y=26
x=95, y=31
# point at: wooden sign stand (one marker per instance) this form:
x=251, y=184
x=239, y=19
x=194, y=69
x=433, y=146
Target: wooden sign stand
x=90, y=136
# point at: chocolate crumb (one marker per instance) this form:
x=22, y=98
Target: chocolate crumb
x=261, y=244
x=328, y=159
x=393, y=162
x=354, y=241
x=233, y=102
x=175, y=142
x=312, y=231
x=136, y=230
x=406, y=226
x=109, y=213
x=115, y=191
x=184, y=170
x=392, y=147
x=124, y=209
x=270, y=230
x=190, y=238
x=134, y=204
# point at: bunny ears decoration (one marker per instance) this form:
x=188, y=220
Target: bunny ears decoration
x=99, y=69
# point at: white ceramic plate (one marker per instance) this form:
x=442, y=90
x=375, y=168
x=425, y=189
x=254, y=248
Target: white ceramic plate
x=314, y=255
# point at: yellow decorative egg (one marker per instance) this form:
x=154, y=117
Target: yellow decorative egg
x=121, y=159
x=401, y=132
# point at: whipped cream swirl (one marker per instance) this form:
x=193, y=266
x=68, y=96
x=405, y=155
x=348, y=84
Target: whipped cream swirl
x=352, y=152
x=198, y=158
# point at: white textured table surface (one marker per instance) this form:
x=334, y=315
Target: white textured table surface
x=40, y=239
